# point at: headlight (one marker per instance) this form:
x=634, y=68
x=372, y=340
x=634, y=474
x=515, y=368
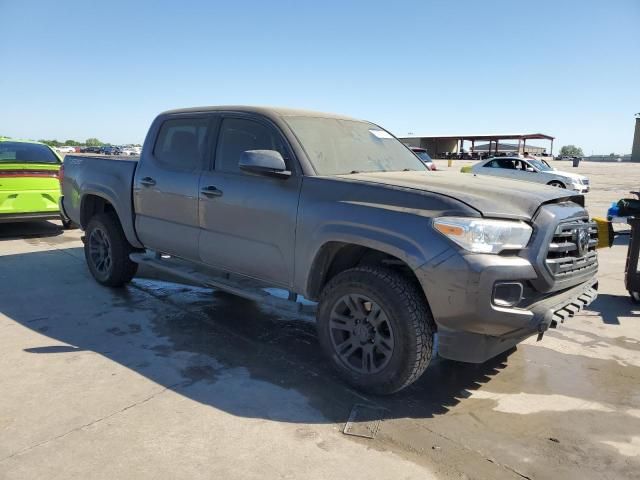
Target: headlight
x=484, y=236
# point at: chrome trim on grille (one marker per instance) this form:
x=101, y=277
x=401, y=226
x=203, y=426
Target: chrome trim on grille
x=572, y=250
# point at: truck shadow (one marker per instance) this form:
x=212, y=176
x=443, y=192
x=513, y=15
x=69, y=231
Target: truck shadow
x=35, y=229
x=214, y=348
x=610, y=307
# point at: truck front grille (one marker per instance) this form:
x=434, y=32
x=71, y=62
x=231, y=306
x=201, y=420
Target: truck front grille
x=572, y=250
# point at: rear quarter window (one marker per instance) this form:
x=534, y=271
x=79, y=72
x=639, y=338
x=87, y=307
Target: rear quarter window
x=180, y=143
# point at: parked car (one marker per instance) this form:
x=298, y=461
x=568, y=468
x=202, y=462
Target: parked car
x=423, y=155
x=109, y=150
x=339, y=211
x=65, y=149
x=91, y=149
x=531, y=170
x=129, y=151
x=29, y=186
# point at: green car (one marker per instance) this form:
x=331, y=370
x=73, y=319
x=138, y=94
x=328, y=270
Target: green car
x=29, y=185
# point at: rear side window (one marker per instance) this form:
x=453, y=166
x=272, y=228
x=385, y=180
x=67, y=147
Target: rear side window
x=20, y=152
x=181, y=142
x=238, y=135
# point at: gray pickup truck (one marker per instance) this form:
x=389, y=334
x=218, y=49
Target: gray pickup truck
x=338, y=211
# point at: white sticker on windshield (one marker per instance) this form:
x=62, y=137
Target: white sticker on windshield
x=380, y=134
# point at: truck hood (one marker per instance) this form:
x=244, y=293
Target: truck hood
x=491, y=196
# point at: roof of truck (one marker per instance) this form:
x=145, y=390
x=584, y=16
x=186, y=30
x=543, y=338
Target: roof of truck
x=267, y=111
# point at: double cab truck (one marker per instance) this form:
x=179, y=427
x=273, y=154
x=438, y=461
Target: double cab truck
x=389, y=255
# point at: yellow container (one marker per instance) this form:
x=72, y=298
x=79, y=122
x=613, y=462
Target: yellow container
x=605, y=232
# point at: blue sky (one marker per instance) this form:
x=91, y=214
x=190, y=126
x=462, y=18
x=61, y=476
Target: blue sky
x=571, y=68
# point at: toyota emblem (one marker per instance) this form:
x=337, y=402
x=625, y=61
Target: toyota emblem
x=582, y=240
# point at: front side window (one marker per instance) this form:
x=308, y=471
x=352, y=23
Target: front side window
x=181, y=142
x=238, y=135
x=22, y=152
x=540, y=165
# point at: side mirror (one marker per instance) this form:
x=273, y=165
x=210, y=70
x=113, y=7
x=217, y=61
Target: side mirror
x=264, y=162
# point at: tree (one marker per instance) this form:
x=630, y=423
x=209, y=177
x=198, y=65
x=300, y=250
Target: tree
x=93, y=142
x=51, y=143
x=571, y=151
x=71, y=143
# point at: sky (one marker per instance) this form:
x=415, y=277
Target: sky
x=570, y=68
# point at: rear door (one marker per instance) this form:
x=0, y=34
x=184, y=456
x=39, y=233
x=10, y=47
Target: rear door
x=166, y=186
x=498, y=167
x=248, y=225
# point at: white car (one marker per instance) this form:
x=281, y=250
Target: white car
x=130, y=150
x=65, y=149
x=531, y=170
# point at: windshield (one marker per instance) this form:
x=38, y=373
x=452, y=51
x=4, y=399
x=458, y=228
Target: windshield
x=336, y=146
x=20, y=152
x=542, y=166
x=424, y=156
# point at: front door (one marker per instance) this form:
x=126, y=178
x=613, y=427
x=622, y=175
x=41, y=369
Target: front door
x=166, y=187
x=248, y=221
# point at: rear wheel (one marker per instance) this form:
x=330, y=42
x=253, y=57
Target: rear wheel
x=375, y=326
x=107, y=250
x=557, y=184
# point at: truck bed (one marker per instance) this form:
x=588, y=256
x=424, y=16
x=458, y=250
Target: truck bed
x=108, y=178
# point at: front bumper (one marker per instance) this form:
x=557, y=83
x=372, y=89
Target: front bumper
x=471, y=327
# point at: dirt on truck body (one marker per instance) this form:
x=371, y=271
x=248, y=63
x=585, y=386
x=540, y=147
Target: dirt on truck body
x=338, y=211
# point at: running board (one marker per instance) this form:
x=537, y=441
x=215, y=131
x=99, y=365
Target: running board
x=235, y=285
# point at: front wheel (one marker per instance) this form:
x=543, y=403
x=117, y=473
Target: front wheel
x=376, y=327
x=107, y=250
x=557, y=184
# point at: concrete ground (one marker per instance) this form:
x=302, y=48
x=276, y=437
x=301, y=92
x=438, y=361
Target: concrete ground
x=160, y=380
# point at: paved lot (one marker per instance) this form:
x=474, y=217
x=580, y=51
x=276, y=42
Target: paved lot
x=161, y=380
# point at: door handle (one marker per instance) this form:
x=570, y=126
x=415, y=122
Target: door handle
x=148, y=182
x=211, y=191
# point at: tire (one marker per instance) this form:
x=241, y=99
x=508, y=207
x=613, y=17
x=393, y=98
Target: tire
x=635, y=296
x=557, y=184
x=104, y=238
x=392, y=346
